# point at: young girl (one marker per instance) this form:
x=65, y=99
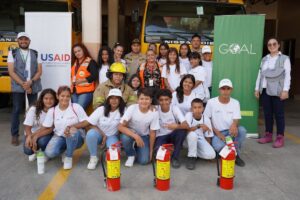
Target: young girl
x=105, y=120
x=163, y=53
x=184, y=53
x=118, y=53
x=172, y=71
x=105, y=59
x=36, y=139
x=61, y=117
x=183, y=96
x=135, y=83
x=199, y=73
x=153, y=47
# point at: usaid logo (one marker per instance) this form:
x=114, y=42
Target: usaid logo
x=236, y=48
x=55, y=57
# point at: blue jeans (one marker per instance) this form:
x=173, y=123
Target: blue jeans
x=272, y=105
x=82, y=99
x=18, y=100
x=176, y=138
x=41, y=144
x=142, y=153
x=93, y=139
x=218, y=144
x=58, y=144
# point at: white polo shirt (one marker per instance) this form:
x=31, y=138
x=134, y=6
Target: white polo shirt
x=185, y=106
x=109, y=125
x=174, y=115
x=208, y=69
x=30, y=119
x=194, y=122
x=60, y=119
x=173, y=77
x=140, y=122
x=200, y=75
x=186, y=63
x=222, y=115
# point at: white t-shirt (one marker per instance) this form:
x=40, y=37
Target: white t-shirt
x=222, y=115
x=30, y=119
x=109, y=125
x=200, y=75
x=102, y=74
x=173, y=116
x=208, y=68
x=162, y=61
x=60, y=119
x=186, y=63
x=194, y=122
x=185, y=106
x=173, y=77
x=139, y=122
x=26, y=55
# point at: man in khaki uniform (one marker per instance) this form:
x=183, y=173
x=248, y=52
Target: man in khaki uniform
x=116, y=75
x=135, y=58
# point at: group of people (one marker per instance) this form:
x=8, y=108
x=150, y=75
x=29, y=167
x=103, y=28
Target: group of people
x=142, y=100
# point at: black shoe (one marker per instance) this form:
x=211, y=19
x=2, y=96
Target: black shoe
x=239, y=162
x=175, y=163
x=191, y=163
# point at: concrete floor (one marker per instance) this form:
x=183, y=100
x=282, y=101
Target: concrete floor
x=269, y=173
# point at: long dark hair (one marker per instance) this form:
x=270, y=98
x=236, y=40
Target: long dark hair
x=188, y=47
x=162, y=45
x=85, y=53
x=130, y=81
x=39, y=105
x=107, y=107
x=179, y=89
x=173, y=50
x=110, y=56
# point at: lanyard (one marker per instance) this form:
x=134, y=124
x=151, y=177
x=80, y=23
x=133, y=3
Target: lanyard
x=23, y=57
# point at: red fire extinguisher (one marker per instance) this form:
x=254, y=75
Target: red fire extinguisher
x=112, y=173
x=226, y=173
x=162, y=169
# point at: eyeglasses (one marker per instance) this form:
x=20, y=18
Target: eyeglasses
x=272, y=44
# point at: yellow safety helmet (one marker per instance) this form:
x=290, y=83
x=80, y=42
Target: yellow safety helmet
x=117, y=67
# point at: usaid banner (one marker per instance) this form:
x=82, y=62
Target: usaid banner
x=238, y=44
x=51, y=36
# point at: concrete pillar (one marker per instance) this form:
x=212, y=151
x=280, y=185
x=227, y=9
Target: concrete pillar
x=91, y=25
x=113, y=16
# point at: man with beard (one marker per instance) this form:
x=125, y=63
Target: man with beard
x=25, y=70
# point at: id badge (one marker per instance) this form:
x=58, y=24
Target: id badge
x=74, y=79
x=151, y=82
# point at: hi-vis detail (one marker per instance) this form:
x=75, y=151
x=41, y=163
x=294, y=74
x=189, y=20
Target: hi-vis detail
x=235, y=48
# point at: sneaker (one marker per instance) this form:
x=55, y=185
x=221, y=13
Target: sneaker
x=130, y=161
x=279, y=142
x=266, y=139
x=63, y=156
x=175, y=163
x=191, y=163
x=32, y=157
x=93, y=162
x=239, y=162
x=68, y=163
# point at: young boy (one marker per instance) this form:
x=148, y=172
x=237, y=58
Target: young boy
x=199, y=135
x=172, y=125
x=138, y=125
x=207, y=65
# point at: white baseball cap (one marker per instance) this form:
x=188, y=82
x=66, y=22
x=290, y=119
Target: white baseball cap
x=225, y=82
x=206, y=49
x=23, y=34
x=114, y=92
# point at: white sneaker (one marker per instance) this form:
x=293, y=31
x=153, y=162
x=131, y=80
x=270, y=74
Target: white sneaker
x=93, y=162
x=63, y=156
x=68, y=163
x=32, y=157
x=129, y=162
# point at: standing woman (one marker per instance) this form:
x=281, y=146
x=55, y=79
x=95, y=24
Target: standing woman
x=105, y=59
x=184, y=53
x=183, y=96
x=61, y=117
x=172, y=71
x=273, y=84
x=105, y=120
x=36, y=139
x=162, y=53
x=153, y=47
x=84, y=73
x=118, y=53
